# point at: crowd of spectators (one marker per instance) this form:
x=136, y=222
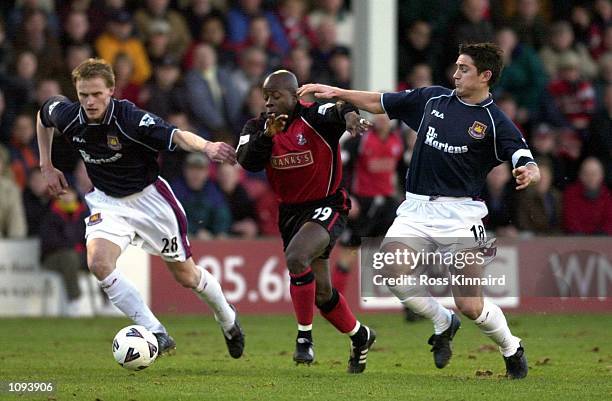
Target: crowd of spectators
x=199, y=64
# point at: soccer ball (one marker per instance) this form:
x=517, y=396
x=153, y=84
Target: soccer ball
x=135, y=347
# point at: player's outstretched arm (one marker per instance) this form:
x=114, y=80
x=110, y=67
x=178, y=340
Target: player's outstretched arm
x=526, y=175
x=56, y=182
x=217, y=151
x=368, y=101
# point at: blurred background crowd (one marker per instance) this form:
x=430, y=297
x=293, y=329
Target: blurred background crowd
x=199, y=64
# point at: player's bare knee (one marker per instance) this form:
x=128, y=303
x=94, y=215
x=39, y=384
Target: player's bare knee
x=297, y=262
x=470, y=308
x=186, y=277
x=100, y=266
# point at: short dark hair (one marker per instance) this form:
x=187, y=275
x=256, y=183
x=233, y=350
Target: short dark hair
x=486, y=56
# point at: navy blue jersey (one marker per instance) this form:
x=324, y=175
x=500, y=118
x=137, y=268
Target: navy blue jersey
x=457, y=143
x=120, y=153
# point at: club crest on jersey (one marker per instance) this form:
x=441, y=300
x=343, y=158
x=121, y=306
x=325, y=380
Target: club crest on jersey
x=477, y=130
x=94, y=219
x=301, y=140
x=113, y=142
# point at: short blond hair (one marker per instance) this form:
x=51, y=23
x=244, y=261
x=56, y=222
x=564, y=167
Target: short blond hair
x=94, y=68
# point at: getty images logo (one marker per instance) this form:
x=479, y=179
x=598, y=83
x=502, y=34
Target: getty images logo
x=430, y=139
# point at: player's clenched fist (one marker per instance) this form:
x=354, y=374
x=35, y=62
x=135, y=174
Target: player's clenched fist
x=275, y=124
x=220, y=152
x=526, y=175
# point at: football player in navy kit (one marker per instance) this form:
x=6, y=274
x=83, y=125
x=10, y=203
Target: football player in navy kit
x=130, y=203
x=297, y=144
x=462, y=135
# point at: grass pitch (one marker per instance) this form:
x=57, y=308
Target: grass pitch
x=570, y=359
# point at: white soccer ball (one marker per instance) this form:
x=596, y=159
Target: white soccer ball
x=135, y=347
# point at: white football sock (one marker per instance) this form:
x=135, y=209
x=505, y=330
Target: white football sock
x=492, y=323
x=419, y=301
x=209, y=290
x=127, y=299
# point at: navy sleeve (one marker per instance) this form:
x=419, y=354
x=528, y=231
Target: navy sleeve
x=328, y=118
x=145, y=128
x=509, y=142
x=408, y=105
x=58, y=112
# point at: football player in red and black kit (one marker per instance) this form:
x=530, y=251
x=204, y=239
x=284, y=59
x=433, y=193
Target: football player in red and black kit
x=297, y=144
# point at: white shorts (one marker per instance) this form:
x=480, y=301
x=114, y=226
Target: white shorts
x=444, y=223
x=152, y=219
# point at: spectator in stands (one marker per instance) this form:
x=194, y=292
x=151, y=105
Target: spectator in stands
x=529, y=24
x=242, y=207
x=420, y=76
x=12, y=216
x=117, y=38
x=124, y=87
x=523, y=75
x=239, y=18
x=416, y=48
x=605, y=46
x=22, y=9
x=326, y=44
x=561, y=44
x=22, y=88
x=163, y=95
x=76, y=29
x=208, y=214
x=253, y=65
x=340, y=15
x=300, y=63
x=35, y=201
x=469, y=26
x=508, y=105
x=157, y=11
x=295, y=22
x=34, y=37
x=604, y=79
x=602, y=24
x=7, y=53
x=599, y=142
x=62, y=233
x=198, y=12
x=23, y=149
x=254, y=104
x=499, y=196
x=259, y=36
x=158, y=42
x=587, y=204
x=540, y=205
x=73, y=56
x=340, y=68
x=212, y=32
x=212, y=99
x=573, y=95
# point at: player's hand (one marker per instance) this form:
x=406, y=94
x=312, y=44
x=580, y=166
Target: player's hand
x=526, y=175
x=220, y=152
x=275, y=124
x=356, y=125
x=319, y=91
x=56, y=182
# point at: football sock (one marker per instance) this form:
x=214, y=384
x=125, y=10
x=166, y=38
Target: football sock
x=340, y=276
x=337, y=312
x=209, y=290
x=492, y=323
x=127, y=299
x=417, y=300
x=302, y=290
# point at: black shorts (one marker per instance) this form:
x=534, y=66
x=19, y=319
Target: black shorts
x=330, y=213
x=375, y=217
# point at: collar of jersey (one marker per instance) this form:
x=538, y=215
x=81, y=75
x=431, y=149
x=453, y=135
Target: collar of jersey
x=484, y=103
x=107, y=116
